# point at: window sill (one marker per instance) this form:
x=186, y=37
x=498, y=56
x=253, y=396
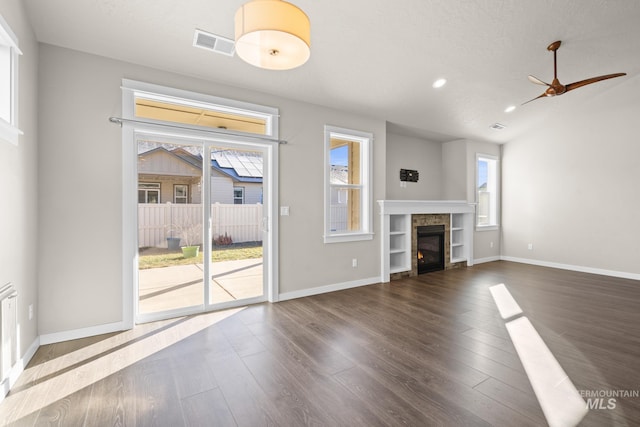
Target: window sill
x=340, y=238
x=9, y=133
x=487, y=227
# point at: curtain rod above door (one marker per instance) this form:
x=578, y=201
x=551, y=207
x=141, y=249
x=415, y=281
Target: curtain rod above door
x=120, y=120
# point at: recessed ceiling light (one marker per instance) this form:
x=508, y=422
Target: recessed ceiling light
x=497, y=126
x=439, y=83
x=510, y=108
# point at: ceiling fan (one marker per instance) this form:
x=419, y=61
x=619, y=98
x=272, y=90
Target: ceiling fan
x=555, y=87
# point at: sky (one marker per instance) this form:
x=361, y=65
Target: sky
x=339, y=156
x=482, y=173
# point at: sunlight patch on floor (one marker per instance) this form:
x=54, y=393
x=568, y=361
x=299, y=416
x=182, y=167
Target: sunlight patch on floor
x=72, y=372
x=559, y=399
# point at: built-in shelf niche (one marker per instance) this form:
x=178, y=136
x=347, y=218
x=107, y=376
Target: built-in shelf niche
x=457, y=238
x=399, y=243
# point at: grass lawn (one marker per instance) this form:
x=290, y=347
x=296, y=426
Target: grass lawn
x=219, y=253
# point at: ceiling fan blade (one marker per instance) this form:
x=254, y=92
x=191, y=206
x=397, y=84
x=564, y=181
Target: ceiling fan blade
x=581, y=83
x=534, y=79
x=544, y=94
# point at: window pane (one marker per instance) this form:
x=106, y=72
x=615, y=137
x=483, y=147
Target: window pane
x=153, y=196
x=5, y=83
x=483, y=195
x=345, y=209
x=148, y=185
x=238, y=195
x=339, y=213
x=347, y=198
x=345, y=162
x=177, y=113
x=181, y=191
x=487, y=191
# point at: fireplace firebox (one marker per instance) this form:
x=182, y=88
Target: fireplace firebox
x=430, y=248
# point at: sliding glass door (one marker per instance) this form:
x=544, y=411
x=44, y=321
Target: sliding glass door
x=200, y=216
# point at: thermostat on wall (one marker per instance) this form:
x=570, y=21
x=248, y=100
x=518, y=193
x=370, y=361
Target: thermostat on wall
x=408, y=175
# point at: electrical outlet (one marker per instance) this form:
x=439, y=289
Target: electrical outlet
x=491, y=244
x=284, y=210
x=530, y=246
x=30, y=311
x=354, y=262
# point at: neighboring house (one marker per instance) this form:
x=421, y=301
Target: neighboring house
x=174, y=176
x=168, y=176
x=236, y=177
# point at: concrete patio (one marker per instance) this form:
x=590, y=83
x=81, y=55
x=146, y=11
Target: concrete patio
x=181, y=286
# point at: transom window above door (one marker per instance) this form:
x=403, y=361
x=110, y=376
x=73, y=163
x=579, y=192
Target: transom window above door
x=219, y=118
x=152, y=104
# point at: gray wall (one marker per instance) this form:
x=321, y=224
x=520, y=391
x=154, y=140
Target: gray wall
x=81, y=150
x=454, y=170
x=405, y=152
x=571, y=187
x=19, y=176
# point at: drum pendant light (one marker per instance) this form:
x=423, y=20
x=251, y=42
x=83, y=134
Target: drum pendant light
x=272, y=34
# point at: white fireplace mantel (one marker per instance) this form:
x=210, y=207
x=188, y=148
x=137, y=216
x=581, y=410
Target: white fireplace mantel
x=396, y=207
x=396, y=231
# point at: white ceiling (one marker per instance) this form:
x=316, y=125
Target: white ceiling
x=380, y=57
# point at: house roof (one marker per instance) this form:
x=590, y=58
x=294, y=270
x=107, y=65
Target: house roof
x=181, y=154
x=193, y=159
x=240, y=166
x=237, y=165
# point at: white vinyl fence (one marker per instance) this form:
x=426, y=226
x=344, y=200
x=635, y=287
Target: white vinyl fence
x=339, y=219
x=157, y=222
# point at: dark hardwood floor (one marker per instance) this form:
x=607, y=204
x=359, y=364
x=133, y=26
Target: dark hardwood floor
x=426, y=351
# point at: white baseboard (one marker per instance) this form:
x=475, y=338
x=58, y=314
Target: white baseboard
x=487, y=259
x=82, y=333
x=328, y=288
x=19, y=368
x=582, y=269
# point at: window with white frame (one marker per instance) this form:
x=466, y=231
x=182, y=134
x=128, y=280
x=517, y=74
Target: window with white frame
x=238, y=195
x=181, y=193
x=149, y=192
x=487, y=191
x=9, y=53
x=348, y=210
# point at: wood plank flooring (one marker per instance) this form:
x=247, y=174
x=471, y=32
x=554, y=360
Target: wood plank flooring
x=425, y=351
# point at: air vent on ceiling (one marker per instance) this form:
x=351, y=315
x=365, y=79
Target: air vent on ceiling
x=213, y=43
x=497, y=126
